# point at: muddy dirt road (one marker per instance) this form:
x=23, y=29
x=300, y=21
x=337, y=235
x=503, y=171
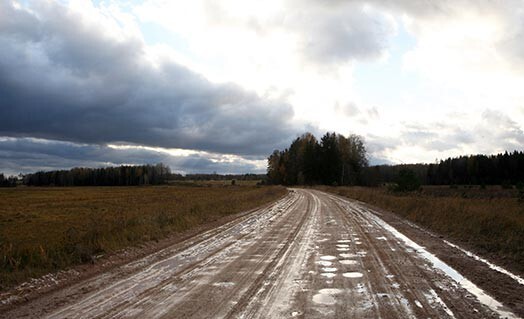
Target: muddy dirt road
x=310, y=255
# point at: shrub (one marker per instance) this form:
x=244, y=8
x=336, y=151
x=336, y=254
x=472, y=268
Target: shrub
x=407, y=181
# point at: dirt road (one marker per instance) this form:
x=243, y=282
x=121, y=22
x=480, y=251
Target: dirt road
x=310, y=255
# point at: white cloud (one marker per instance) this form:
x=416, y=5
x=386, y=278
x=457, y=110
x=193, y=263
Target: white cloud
x=462, y=66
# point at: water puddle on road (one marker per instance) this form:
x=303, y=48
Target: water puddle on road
x=324, y=263
x=411, y=246
x=224, y=284
x=326, y=296
x=327, y=257
x=361, y=288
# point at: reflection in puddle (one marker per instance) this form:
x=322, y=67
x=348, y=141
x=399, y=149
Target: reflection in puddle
x=326, y=296
x=224, y=284
x=324, y=263
x=327, y=257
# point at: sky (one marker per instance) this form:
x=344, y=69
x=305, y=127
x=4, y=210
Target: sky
x=215, y=86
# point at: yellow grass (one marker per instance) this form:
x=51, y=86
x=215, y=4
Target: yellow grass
x=492, y=226
x=46, y=229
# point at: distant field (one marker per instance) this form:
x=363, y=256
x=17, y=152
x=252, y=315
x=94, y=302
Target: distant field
x=489, y=220
x=212, y=183
x=46, y=229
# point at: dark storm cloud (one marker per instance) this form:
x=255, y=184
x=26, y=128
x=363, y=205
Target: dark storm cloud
x=64, y=78
x=26, y=155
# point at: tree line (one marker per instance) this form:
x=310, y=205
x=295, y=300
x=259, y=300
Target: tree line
x=340, y=160
x=108, y=176
x=7, y=181
x=217, y=177
x=334, y=160
x=500, y=169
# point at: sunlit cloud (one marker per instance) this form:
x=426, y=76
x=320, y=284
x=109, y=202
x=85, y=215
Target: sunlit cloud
x=230, y=81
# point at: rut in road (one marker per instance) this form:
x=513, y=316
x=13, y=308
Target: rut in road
x=310, y=255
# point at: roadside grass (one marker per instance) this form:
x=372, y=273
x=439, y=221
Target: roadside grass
x=48, y=229
x=490, y=225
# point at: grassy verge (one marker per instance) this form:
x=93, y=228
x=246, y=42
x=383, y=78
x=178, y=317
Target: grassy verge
x=491, y=225
x=47, y=229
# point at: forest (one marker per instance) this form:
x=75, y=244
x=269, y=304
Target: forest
x=337, y=160
x=217, y=177
x=501, y=169
x=334, y=160
x=107, y=176
x=7, y=181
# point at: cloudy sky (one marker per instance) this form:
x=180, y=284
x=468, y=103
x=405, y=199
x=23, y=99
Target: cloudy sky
x=208, y=85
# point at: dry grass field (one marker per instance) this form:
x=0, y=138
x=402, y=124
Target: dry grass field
x=46, y=229
x=483, y=220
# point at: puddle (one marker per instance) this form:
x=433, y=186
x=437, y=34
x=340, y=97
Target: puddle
x=448, y=270
x=348, y=262
x=361, y=288
x=324, y=299
x=224, y=284
x=326, y=296
x=518, y=279
x=325, y=263
x=352, y=274
x=327, y=257
x=435, y=299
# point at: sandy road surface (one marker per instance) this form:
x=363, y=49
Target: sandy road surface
x=310, y=255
